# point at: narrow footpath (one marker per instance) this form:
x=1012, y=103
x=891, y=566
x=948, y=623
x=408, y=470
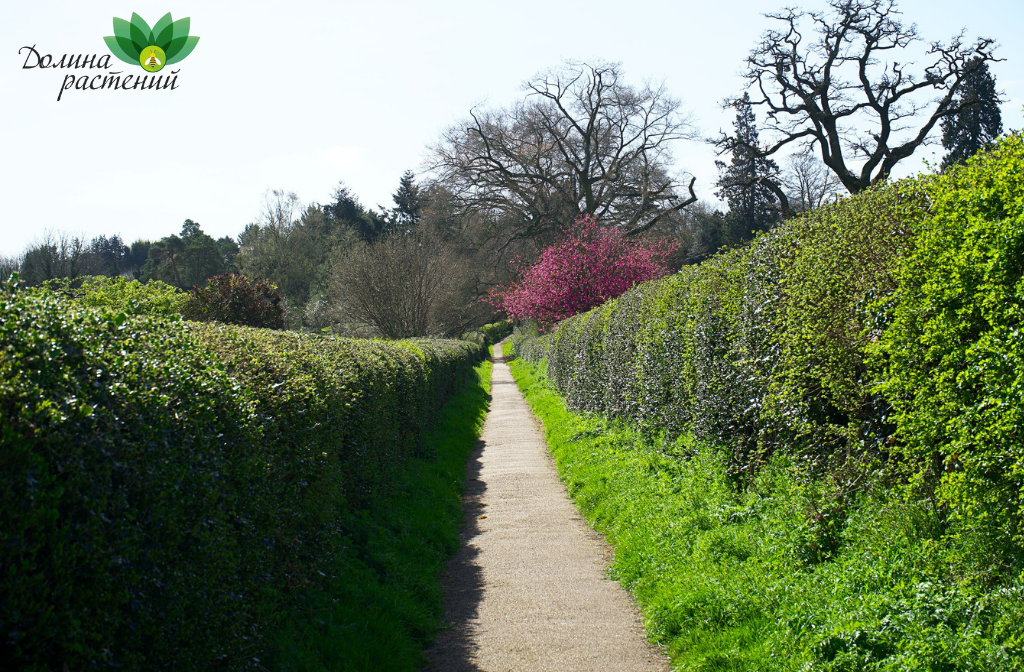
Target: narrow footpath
x=528, y=591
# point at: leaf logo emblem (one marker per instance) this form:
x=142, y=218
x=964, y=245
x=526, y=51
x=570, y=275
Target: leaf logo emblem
x=153, y=48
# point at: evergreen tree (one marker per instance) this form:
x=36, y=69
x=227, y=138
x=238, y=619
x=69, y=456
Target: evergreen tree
x=186, y=260
x=228, y=249
x=979, y=122
x=346, y=211
x=107, y=256
x=203, y=258
x=408, y=200
x=746, y=181
x=137, y=256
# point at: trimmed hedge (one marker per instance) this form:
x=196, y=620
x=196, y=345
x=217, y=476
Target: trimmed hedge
x=167, y=486
x=754, y=348
x=887, y=324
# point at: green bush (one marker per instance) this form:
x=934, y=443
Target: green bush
x=755, y=348
x=235, y=299
x=168, y=486
x=952, y=349
x=384, y=602
x=489, y=334
x=126, y=454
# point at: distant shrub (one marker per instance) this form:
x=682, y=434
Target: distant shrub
x=496, y=331
x=169, y=487
x=490, y=334
x=591, y=265
x=235, y=299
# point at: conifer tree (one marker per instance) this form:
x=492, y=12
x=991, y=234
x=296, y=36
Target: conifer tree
x=408, y=200
x=749, y=183
x=979, y=120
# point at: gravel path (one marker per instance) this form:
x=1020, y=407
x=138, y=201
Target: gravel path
x=527, y=592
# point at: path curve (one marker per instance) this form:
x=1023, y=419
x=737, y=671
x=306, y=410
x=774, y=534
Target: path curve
x=527, y=591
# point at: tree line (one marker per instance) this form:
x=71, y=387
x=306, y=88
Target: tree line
x=840, y=106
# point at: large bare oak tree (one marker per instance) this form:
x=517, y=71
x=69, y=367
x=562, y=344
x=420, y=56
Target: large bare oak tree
x=837, y=80
x=581, y=142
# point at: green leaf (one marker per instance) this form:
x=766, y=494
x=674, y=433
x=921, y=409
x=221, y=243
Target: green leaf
x=188, y=44
x=142, y=34
x=115, y=48
x=122, y=28
x=129, y=47
x=163, y=32
x=122, y=35
x=181, y=27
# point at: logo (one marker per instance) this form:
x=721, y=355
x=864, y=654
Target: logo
x=133, y=42
x=153, y=48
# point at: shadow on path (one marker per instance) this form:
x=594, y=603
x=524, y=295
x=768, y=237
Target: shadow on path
x=464, y=583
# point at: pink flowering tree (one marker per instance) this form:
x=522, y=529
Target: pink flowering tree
x=592, y=264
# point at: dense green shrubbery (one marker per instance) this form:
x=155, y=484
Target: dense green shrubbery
x=166, y=485
x=384, y=601
x=874, y=343
x=951, y=346
x=496, y=331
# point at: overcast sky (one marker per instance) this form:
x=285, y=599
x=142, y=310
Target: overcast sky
x=299, y=95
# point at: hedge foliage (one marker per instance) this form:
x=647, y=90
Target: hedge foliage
x=885, y=325
x=167, y=485
x=121, y=294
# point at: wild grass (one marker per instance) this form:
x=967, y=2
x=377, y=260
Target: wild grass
x=775, y=575
x=384, y=605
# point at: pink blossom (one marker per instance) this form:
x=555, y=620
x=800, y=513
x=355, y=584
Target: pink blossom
x=590, y=265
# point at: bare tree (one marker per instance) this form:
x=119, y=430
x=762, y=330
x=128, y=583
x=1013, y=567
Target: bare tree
x=581, y=142
x=57, y=255
x=844, y=91
x=9, y=265
x=809, y=182
x=407, y=285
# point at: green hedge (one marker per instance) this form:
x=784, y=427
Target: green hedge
x=885, y=325
x=754, y=348
x=167, y=486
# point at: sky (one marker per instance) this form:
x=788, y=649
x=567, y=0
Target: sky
x=300, y=95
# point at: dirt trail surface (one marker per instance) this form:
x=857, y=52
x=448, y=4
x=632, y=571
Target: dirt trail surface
x=527, y=592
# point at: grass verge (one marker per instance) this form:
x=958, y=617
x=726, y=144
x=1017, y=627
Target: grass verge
x=385, y=602
x=765, y=577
